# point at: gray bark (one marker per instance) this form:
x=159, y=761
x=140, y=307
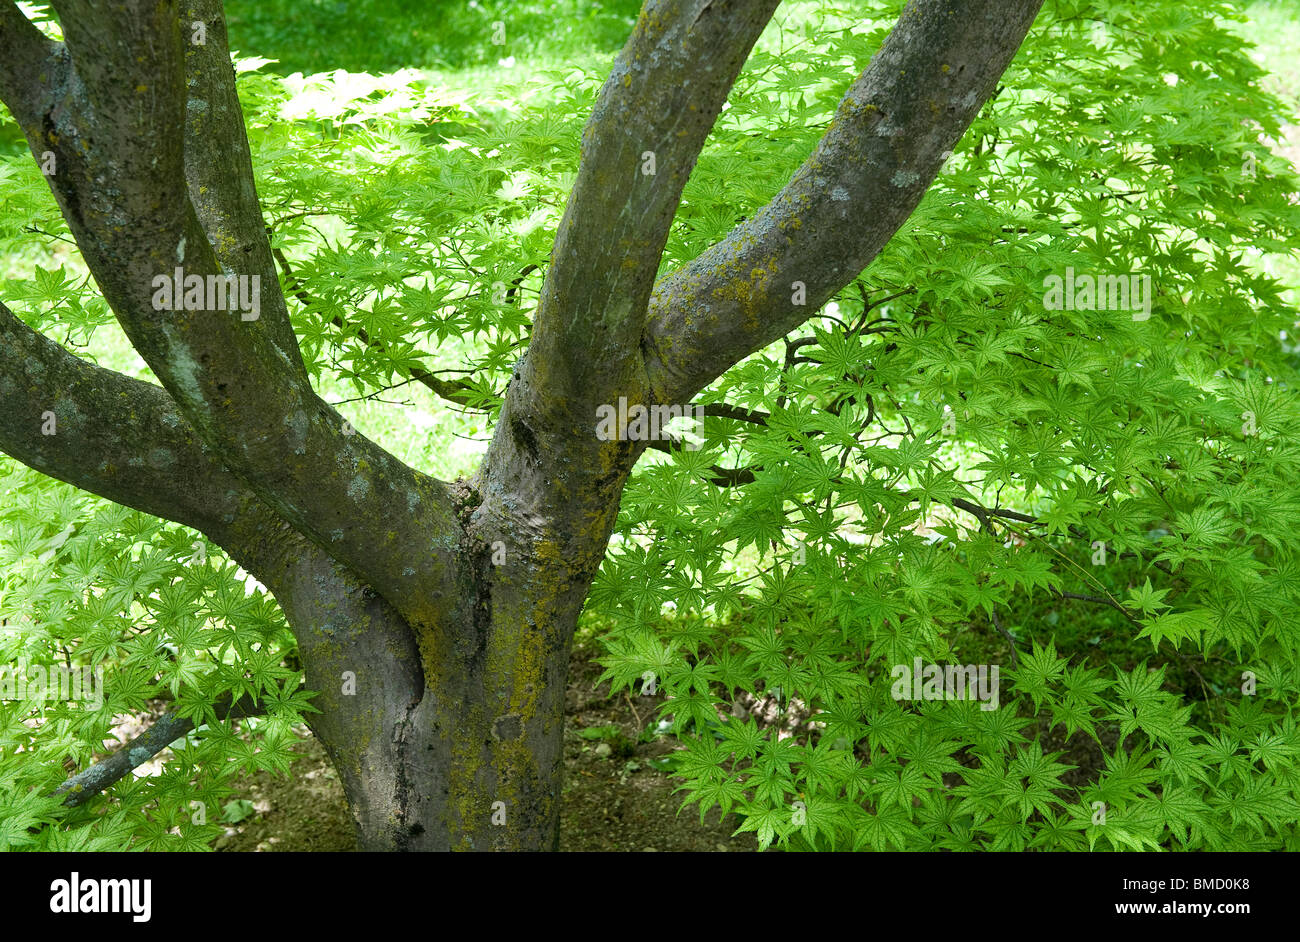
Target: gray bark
x=382, y=571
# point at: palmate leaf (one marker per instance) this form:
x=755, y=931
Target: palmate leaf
x=885, y=829
x=1027, y=570
x=1177, y=627
x=1120, y=832
x=1182, y=811
x=1148, y=599
x=712, y=792
x=768, y=823
x=745, y=739
x=823, y=822
x=1061, y=832
x=900, y=787
x=1039, y=671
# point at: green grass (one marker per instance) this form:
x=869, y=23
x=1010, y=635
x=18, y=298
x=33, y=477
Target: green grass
x=440, y=35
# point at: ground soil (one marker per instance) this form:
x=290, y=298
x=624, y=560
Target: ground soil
x=614, y=798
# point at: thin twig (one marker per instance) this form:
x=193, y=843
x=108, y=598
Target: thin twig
x=1015, y=661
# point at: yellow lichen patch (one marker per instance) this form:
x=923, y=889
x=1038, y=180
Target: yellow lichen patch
x=528, y=670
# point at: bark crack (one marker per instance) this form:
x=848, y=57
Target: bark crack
x=406, y=831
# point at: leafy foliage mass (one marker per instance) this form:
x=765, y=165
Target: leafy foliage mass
x=1122, y=142
x=938, y=466
x=93, y=585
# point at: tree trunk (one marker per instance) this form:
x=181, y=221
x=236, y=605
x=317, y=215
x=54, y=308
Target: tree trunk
x=451, y=736
x=440, y=746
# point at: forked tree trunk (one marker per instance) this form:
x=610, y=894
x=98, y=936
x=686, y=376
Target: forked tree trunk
x=452, y=738
x=435, y=620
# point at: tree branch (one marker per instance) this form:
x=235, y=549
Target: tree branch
x=639, y=146
x=885, y=146
x=726, y=410
x=27, y=50
x=113, y=436
x=219, y=167
x=997, y=623
x=109, y=110
x=723, y=477
x=549, y=480
x=126, y=441
x=165, y=730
